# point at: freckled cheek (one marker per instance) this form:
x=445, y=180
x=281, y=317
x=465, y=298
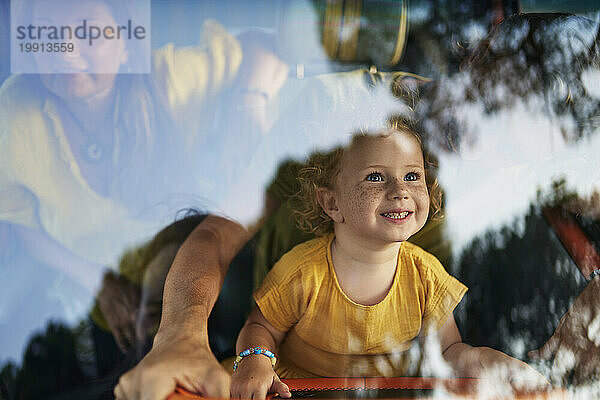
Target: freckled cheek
x=421, y=192
x=363, y=201
x=421, y=197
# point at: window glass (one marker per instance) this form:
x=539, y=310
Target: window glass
x=97, y=158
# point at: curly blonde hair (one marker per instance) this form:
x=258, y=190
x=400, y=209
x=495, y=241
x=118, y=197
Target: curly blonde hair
x=322, y=169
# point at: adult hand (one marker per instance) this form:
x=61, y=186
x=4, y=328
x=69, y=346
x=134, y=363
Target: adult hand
x=575, y=345
x=261, y=77
x=504, y=373
x=254, y=378
x=500, y=368
x=175, y=361
x=247, y=117
x=262, y=69
x=119, y=301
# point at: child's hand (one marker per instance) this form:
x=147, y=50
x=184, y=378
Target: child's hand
x=254, y=378
x=499, y=367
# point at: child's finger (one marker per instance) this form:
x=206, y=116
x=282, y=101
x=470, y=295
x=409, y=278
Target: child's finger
x=242, y=392
x=280, y=388
x=259, y=394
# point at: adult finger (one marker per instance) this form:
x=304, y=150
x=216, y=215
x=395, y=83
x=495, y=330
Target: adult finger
x=121, y=393
x=159, y=390
x=216, y=382
x=143, y=384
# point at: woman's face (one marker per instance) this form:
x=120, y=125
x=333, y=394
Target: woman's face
x=89, y=70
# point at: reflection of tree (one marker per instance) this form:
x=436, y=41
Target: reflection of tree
x=539, y=60
x=8, y=375
x=441, y=32
x=60, y=363
x=50, y=365
x=521, y=282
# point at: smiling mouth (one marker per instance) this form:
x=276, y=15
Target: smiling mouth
x=396, y=215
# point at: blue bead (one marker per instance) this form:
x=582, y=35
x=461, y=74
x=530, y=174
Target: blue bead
x=257, y=350
x=245, y=353
x=268, y=354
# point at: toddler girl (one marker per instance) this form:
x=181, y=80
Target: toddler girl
x=351, y=301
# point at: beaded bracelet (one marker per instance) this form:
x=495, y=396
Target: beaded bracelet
x=254, y=350
x=594, y=274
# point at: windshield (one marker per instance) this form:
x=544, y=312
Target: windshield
x=161, y=111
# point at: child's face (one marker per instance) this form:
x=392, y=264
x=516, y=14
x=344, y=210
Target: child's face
x=380, y=192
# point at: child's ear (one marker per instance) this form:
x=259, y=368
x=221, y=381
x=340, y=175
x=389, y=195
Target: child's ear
x=328, y=202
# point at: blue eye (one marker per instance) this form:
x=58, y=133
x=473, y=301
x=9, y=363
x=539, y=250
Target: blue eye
x=375, y=177
x=411, y=176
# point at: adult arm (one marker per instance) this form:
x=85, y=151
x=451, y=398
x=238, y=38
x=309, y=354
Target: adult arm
x=575, y=345
x=48, y=251
x=181, y=354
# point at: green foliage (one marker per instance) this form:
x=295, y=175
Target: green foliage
x=521, y=282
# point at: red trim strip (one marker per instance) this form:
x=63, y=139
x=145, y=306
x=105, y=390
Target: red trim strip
x=581, y=250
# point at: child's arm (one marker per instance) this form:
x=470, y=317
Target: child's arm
x=486, y=362
x=254, y=376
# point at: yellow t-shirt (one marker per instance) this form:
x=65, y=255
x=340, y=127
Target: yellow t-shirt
x=330, y=335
